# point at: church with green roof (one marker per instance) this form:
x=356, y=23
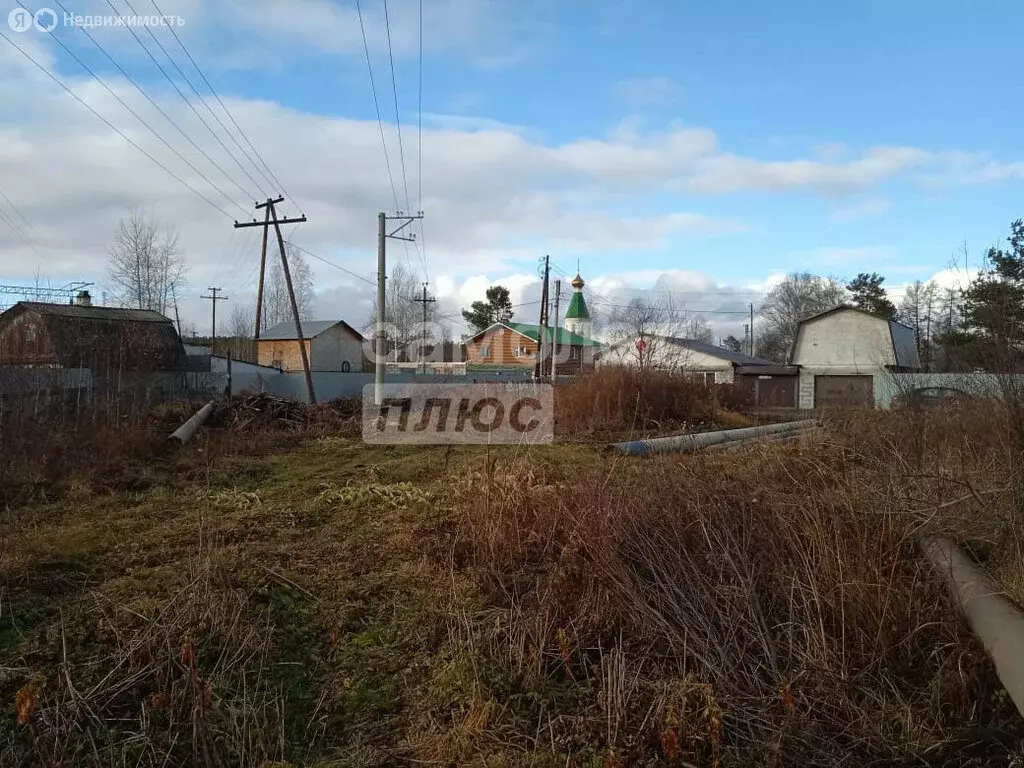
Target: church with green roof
x=513, y=346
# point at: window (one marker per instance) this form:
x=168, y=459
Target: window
x=522, y=351
x=485, y=351
x=574, y=353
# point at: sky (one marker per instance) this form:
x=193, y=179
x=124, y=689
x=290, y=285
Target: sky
x=704, y=148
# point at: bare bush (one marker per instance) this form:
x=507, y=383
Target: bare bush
x=766, y=609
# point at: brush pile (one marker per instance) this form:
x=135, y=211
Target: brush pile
x=267, y=412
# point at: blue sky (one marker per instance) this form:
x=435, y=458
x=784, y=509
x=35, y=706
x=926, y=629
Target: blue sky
x=731, y=140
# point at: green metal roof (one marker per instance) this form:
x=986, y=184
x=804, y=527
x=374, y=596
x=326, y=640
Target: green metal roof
x=564, y=337
x=578, y=308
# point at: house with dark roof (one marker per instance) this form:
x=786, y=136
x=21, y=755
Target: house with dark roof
x=331, y=345
x=716, y=365
x=841, y=351
x=108, y=341
x=513, y=346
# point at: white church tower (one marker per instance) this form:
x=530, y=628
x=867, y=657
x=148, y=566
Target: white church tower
x=577, y=317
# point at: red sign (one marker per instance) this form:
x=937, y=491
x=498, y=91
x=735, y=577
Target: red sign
x=641, y=345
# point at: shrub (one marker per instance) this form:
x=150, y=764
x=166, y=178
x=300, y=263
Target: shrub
x=763, y=608
x=613, y=399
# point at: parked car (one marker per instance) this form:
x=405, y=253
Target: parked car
x=931, y=397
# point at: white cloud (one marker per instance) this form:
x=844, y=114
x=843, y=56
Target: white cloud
x=495, y=196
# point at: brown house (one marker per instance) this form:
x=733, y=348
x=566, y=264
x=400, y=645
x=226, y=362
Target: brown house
x=514, y=346
x=106, y=340
x=331, y=345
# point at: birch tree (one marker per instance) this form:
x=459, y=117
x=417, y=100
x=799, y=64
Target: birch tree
x=277, y=306
x=403, y=315
x=146, y=266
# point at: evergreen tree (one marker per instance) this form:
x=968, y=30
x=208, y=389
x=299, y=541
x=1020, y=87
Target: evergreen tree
x=732, y=343
x=867, y=293
x=497, y=309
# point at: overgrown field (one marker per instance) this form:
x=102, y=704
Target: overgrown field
x=270, y=597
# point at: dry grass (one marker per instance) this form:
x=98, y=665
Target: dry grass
x=618, y=402
x=764, y=608
x=187, y=677
x=342, y=604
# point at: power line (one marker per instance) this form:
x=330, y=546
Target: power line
x=376, y=105
x=419, y=126
x=15, y=228
x=170, y=58
x=683, y=310
x=398, y=118
x=138, y=117
x=28, y=225
x=331, y=263
x=151, y=100
x=113, y=127
x=419, y=151
x=231, y=117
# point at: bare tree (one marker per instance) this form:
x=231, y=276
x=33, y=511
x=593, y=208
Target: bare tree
x=277, y=306
x=697, y=328
x=797, y=297
x=918, y=310
x=146, y=266
x=239, y=332
x=403, y=315
x=642, y=332
x=242, y=321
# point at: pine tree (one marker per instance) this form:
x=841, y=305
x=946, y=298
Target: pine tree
x=867, y=293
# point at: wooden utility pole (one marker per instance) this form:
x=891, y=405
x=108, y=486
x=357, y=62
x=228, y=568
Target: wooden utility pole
x=542, y=330
x=263, y=271
x=174, y=298
x=382, y=258
x=271, y=219
x=424, y=301
x=214, y=298
x=554, y=337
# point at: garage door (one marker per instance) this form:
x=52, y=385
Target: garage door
x=775, y=391
x=843, y=390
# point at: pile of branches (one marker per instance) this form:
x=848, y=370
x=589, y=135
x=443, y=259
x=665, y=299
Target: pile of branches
x=265, y=412
x=258, y=412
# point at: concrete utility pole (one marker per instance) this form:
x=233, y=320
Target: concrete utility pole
x=214, y=298
x=554, y=339
x=423, y=347
x=382, y=240
x=270, y=219
x=542, y=330
x=751, y=329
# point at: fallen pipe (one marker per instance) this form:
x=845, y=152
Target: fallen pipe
x=995, y=619
x=186, y=431
x=783, y=437
x=690, y=443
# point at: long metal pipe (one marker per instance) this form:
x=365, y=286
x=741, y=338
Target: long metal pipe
x=996, y=620
x=690, y=443
x=186, y=431
x=781, y=437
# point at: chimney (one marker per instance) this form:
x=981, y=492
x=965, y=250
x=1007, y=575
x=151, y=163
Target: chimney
x=83, y=299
